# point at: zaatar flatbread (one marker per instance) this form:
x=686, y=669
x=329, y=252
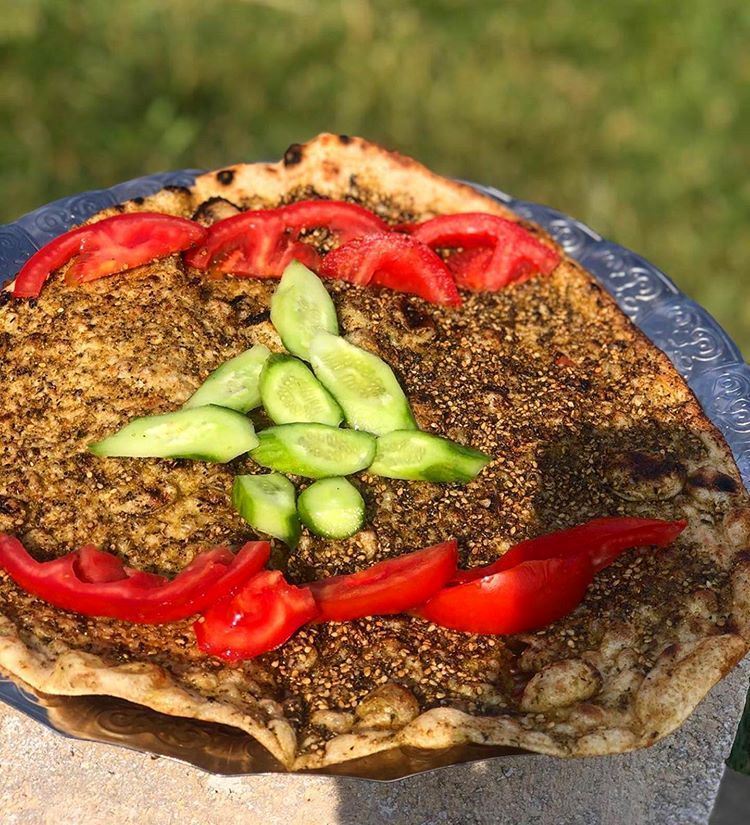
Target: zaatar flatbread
x=585, y=417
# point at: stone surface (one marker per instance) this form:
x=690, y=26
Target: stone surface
x=45, y=778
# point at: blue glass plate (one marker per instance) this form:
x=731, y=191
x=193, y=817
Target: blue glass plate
x=699, y=348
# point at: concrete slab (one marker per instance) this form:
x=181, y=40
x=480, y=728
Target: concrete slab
x=45, y=779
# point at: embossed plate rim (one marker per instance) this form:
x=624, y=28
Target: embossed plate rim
x=696, y=344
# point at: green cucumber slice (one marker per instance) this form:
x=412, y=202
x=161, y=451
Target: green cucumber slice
x=266, y=502
x=363, y=384
x=291, y=393
x=204, y=433
x=332, y=508
x=301, y=307
x=418, y=456
x=314, y=450
x=234, y=384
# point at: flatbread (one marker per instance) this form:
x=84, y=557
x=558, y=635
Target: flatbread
x=584, y=416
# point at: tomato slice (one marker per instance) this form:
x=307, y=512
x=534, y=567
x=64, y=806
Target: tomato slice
x=253, y=244
x=396, y=261
x=602, y=539
x=263, y=242
x=515, y=253
x=88, y=585
x=108, y=246
x=526, y=597
x=258, y=618
x=391, y=586
x=94, y=565
x=470, y=265
x=345, y=220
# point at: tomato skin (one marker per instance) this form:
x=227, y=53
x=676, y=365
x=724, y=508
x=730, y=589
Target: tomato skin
x=345, y=220
x=252, y=244
x=516, y=253
x=395, y=261
x=258, y=618
x=602, y=539
x=107, y=246
x=391, y=586
x=526, y=597
x=136, y=596
x=261, y=243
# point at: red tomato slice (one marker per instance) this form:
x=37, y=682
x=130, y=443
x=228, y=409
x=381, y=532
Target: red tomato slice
x=396, y=261
x=263, y=242
x=253, y=244
x=108, y=246
x=530, y=595
x=470, y=265
x=345, y=220
x=259, y=618
x=391, y=586
x=516, y=253
x=603, y=539
x=138, y=597
x=94, y=565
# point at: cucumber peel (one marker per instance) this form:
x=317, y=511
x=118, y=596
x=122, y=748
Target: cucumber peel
x=267, y=503
x=314, y=450
x=363, y=384
x=207, y=433
x=419, y=456
x=300, y=308
x=234, y=384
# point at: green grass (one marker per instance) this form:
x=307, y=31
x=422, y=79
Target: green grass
x=633, y=116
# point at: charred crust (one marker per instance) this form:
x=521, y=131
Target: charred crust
x=256, y=318
x=345, y=140
x=225, y=176
x=137, y=200
x=414, y=315
x=214, y=209
x=707, y=478
x=293, y=154
x=651, y=468
x=178, y=190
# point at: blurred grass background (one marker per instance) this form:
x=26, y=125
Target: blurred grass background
x=632, y=116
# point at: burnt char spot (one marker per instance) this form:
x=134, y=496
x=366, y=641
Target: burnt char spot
x=5, y=297
x=180, y=190
x=650, y=468
x=708, y=479
x=293, y=154
x=215, y=209
x=256, y=318
x=10, y=506
x=225, y=176
x=414, y=316
x=345, y=139
x=138, y=200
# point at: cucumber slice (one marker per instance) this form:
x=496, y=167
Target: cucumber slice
x=314, y=450
x=204, y=433
x=267, y=503
x=290, y=393
x=300, y=308
x=332, y=508
x=364, y=386
x=418, y=456
x=234, y=384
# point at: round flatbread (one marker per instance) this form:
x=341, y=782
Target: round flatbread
x=584, y=418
